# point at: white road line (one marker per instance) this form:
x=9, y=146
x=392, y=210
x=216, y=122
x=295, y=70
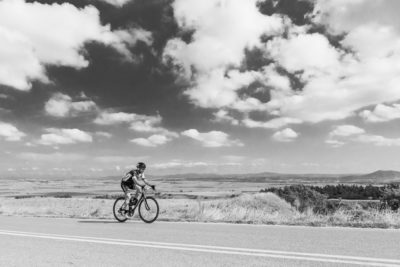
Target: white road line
x=365, y=261
x=213, y=247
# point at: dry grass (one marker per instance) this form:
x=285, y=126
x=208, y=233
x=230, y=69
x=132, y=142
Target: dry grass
x=260, y=208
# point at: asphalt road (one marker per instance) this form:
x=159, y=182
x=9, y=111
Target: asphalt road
x=27, y=241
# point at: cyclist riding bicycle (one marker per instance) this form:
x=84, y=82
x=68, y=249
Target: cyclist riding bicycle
x=134, y=180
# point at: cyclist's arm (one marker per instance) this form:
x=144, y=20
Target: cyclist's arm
x=146, y=182
x=149, y=184
x=136, y=181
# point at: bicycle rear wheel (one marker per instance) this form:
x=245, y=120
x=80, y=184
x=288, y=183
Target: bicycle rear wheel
x=119, y=209
x=148, y=209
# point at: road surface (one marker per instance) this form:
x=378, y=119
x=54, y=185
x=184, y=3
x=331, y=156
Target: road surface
x=27, y=241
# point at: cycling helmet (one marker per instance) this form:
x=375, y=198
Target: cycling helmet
x=141, y=166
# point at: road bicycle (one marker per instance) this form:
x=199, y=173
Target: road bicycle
x=147, y=206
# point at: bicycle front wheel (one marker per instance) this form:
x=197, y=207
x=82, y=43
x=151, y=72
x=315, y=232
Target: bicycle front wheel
x=148, y=209
x=120, y=210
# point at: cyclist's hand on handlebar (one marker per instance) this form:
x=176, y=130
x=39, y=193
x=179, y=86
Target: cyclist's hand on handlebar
x=153, y=187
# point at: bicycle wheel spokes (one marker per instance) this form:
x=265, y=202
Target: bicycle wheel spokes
x=119, y=209
x=148, y=210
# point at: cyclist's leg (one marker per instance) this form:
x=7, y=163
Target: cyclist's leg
x=127, y=193
x=138, y=191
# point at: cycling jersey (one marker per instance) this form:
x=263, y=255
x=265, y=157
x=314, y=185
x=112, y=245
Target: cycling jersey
x=130, y=182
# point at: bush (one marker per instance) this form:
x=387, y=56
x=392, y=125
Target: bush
x=391, y=196
x=301, y=197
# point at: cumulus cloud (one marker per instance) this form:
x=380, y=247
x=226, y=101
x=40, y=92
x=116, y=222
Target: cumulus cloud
x=10, y=133
x=137, y=122
x=340, y=83
x=52, y=157
x=337, y=83
x=381, y=113
x=222, y=32
x=304, y=52
x=311, y=79
x=334, y=143
x=223, y=116
x=343, y=132
x=117, y=3
x=343, y=16
x=205, y=93
x=346, y=130
x=111, y=118
x=152, y=141
x=39, y=36
x=356, y=134
x=285, y=135
x=64, y=137
x=177, y=163
x=104, y=134
x=271, y=124
x=212, y=138
x=180, y=164
x=61, y=105
x=378, y=140
x=118, y=159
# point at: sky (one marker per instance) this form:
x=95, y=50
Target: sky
x=90, y=87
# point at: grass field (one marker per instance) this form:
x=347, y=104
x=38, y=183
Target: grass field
x=259, y=208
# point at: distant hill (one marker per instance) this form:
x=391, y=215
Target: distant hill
x=264, y=177
x=377, y=177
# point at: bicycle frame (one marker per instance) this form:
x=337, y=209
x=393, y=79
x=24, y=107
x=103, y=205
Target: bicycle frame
x=142, y=198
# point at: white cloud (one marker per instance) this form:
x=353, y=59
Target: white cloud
x=177, y=163
x=152, y=141
x=10, y=133
x=137, y=122
x=180, y=164
x=52, y=157
x=343, y=15
x=334, y=143
x=285, y=135
x=346, y=130
x=212, y=138
x=381, y=113
x=335, y=82
x=147, y=124
x=378, y=140
x=56, y=169
x=61, y=105
x=356, y=134
x=111, y=118
x=214, y=89
x=223, y=116
x=117, y=3
x=118, y=159
x=31, y=41
x=64, y=137
x=310, y=52
x=271, y=124
x=104, y=134
x=95, y=169
x=338, y=83
x=222, y=32
x=272, y=78
x=341, y=83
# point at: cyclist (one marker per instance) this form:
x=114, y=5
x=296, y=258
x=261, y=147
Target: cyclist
x=134, y=180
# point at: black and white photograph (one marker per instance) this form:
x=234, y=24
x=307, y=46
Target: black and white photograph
x=199, y=133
